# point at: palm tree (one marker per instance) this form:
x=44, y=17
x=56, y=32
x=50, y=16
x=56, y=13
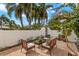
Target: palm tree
x=3, y=19
x=27, y=8
x=42, y=12
x=30, y=15
x=42, y=15
x=35, y=13
x=30, y=12
x=12, y=25
x=18, y=9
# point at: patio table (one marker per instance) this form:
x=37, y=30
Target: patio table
x=39, y=43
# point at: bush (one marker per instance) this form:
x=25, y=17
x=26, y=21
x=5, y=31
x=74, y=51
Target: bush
x=54, y=24
x=36, y=27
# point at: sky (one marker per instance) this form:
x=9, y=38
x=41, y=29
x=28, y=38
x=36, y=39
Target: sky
x=3, y=11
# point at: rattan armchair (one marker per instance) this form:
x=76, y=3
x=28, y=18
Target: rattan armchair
x=50, y=45
x=27, y=46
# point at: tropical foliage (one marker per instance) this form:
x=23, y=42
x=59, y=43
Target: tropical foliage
x=54, y=24
x=36, y=26
x=36, y=12
x=7, y=23
x=70, y=20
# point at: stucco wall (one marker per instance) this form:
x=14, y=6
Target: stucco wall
x=12, y=37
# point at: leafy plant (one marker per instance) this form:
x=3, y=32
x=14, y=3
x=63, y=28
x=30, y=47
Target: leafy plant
x=36, y=26
x=54, y=24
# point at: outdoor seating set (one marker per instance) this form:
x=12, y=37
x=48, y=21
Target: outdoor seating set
x=43, y=42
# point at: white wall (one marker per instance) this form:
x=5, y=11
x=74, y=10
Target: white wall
x=53, y=33
x=73, y=37
x=12, y=37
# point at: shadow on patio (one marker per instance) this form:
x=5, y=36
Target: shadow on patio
x=16, y=51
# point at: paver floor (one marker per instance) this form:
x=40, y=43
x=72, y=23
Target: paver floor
x=60, y=50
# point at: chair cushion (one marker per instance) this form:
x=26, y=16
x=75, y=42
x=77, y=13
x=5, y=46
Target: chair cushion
x=29, y=45
x=45, y=45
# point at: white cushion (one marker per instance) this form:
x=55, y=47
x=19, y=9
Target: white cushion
x=45, y=45
x=30, y=45
x=46, y=38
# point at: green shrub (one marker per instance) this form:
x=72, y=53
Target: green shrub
x=36, y=27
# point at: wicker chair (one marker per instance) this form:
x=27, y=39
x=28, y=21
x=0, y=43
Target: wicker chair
x=50, y=45
x=27, y=46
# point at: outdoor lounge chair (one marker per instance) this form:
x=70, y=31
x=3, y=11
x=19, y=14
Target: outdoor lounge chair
x=27, y=46
x=49, y=45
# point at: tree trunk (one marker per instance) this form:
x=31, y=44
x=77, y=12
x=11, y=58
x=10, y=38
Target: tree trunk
x=30, y=15
x=35, y=21
x=46, y=31
x=22, y=24
x=1, y=24
x=29, y=23
x=35, y=18
x=46, y=21
x=38, y=21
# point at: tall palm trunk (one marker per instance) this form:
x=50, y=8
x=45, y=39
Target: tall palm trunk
x=38, y=21
x=30, y=23
x=1, y=24
x=46, y=28
x=46, y=21
x=35, y=18
x=21, y=23
x=30, y=16
x=35, y=21
x=46, y=31
x=1, y=27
